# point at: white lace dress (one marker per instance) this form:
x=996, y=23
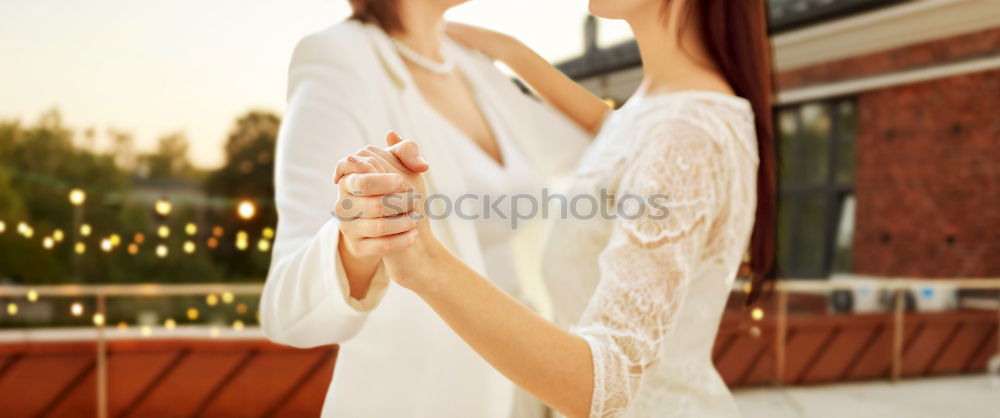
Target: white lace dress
x=648, y=292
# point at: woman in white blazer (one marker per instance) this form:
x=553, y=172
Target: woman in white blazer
x=347, y=86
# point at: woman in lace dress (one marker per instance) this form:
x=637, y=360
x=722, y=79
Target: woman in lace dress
x=637, y=299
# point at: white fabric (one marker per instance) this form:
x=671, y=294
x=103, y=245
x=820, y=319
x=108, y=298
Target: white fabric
x=347, y=87
x=648, y=294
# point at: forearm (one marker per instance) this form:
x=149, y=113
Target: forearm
x=359, y=269
x=550, y=363
x=562, y=92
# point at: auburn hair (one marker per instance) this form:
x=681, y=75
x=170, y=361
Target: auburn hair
x=384, y=13
x=735, y=34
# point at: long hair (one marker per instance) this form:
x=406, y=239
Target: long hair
x=735, y=36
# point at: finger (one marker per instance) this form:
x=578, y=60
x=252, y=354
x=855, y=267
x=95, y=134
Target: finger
x=384, y=159
x=351, y=164
x=353, y=207
x=392, y=138
x=373, y=184
x=379, y=227
x=387, y=244
x=409, y=154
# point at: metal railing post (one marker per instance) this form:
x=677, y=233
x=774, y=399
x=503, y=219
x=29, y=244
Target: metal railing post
x=780, y=337
x=897, y=334
x=102, y=359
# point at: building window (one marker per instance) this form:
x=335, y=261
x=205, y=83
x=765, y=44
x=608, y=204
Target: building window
x=816, y=187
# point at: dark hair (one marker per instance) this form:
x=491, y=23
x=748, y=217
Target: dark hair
x=384, y=13
x=735, y=36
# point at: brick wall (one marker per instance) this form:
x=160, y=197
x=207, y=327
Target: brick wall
x=928, y=179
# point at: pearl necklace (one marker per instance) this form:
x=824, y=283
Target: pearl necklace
x=445, y=67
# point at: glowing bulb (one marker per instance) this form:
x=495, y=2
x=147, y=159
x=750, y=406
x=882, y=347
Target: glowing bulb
x=3, y=227
x=163, y=231
x=238, y=325
x=98, y=319
x=163, y=207
x=263, y=245
x=213, y=243
x=246, y=209
x=12, y=309
x=757, y=314
x=58, y=235
x=146, y=330
x=76, y=309
x=106, y=245
x=162, y=251
x=747, y=287
x=214, y=332
x=242, y=236
x=80, y=248
x=192, y=314
x=191, y=229
x=115, y=239
x=754, y=331
x=25, y=230
x=133, y=249
x=77, y=197
x=218, y=231
x=212, y=300
x=268, y=233
x=48, y=243
x=241, y=308
x=138, y=238
x=228, y=297
x=241, y=245
x=32, y=295
x=189, y=247
x=170, y=323
x=122, y=326
x=85, y=230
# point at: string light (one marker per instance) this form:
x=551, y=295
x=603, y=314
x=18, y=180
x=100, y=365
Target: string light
x=80, y=248
x=3, y=227
x=241, y=308
x=747, y=287
x=48, y=243
x=106, y=245
x=32, y=295
x=138, y=238
x=757, y=314
x=162, y=251
x=263, y=245
x=189, y=247
x=213, y=243
x=12, y=309
x=192, y=314
x=163, y=231
x=77, y=197
x=76, y=309
x=98, y=319
x=191, y=228
x=133, y=249
x=241, y=245
x=25, y=230
x=238, y=325
x=268, y=233
x=115, y=239
x=85, y=230
x=146, y=331
x=212, y=299
x=122, y=326
x=218, y=231
x=214, y=332
x=246, y=210
x=58, y=235
x=163, y=207
x=754, y=331
x=241, y=240
x=170, y=323
x=227, y=297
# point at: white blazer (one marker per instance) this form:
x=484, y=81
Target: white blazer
x=347, y=86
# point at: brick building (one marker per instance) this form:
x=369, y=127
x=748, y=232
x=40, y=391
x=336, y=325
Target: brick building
x=888, y=124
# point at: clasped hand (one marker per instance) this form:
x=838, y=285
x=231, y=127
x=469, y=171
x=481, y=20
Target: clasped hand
x=381, y=206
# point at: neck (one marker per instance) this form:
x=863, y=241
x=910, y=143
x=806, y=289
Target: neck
x=673, y=55
x=423, y=28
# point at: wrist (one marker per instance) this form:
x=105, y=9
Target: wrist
x=511, y=50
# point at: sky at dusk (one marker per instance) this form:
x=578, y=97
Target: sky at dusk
x=153, y=68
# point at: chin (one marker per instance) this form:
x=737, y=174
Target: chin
x=621, y=9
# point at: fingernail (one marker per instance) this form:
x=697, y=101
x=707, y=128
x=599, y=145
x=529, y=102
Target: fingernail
x=421, y=160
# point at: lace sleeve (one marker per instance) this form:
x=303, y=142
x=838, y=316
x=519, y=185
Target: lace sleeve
x=647, y=264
